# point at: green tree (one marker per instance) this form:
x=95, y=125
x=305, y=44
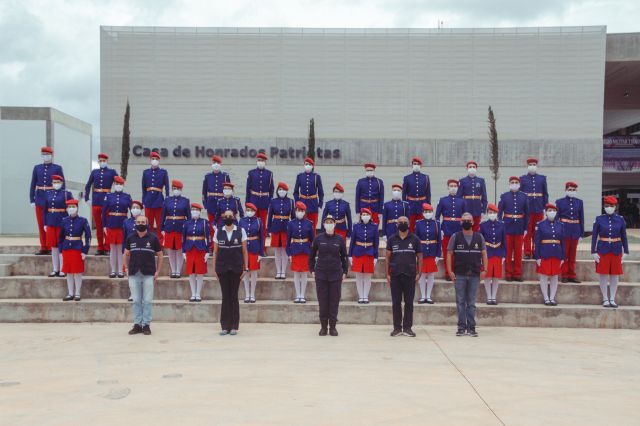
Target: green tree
x=126, y=147
x=312, y=141
x=494, y=162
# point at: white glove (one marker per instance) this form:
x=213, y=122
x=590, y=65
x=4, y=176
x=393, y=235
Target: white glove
x=260, y=258
x=538, y=261
x=206, y=257
x=596, y=257
x=441, y=235
x=375, y=262
x=351, y=261
x=184, y=256
x=623, y=256
x=289, y=259
x=33, y=205
x=84, y=256
x=89, y=202
x=525, y=234
x=503, y=260
x=45, y=228
x=438, y=259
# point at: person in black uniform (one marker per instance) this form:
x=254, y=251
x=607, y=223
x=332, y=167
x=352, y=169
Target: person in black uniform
x=232, y=262
x=328, y=263
x=403, y=263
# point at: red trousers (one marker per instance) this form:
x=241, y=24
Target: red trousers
x=211, y=217
x=313, y=217
x=41, y=233
x=412, y=221
x=96, y=212
x=445, y=244
x=534, y=218
x=342, y=233
x=569, y=265
x=513, y=261
x=476, y=223
x=154, y=217
x=375, y=217
x=262, y=214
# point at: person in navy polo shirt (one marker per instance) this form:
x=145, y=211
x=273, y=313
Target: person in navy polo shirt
x=549, y=253
x=40, y=183
x=308, y=190
x=473, y=191
x=155, y=180
x=259, y=190
x=114, y=213
x=281, y=210
x=493, y=231
x=74, y=251
x=98, y=186
x=176, y=211
x=195, y=247
x=571, y=215
x=55, y=210
x=300, y=235
x=255, y=249
x=416, y=190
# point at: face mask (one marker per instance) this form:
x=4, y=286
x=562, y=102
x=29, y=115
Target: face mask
x=368, y=173
x=57, y=186
x=102, y=164
x=609, y=210
x=365, y=218
x=300, y=215
x=260, y=164
x=72, y=211
x=466, y=225
x=227, y=192
x=176, y=192
x=396, y=195
x=47, y=158
x=472, y=171
x=141, y=227
x=453, y=190
x=308, y=167
x=532, y=168
x=228, y=220
x=329, y=227
x=493, y=217
x=215, y=166
x=251, y=213
x=195, y=214
x=282, y=193
x=551, y=214
x=427, y=215
x=155, y=163
x=415, y=168
x=136, y=212
x=337, y=195
x=514, y=186
x=118, y=188
x=403, y=226
x=570, y=194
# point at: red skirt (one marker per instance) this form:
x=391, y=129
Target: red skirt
x=278, y=239
x=494, y=267
x=300, y=263
x=195, y=262
x=549, y=266
x=72, y=262
x=610, y=264
x=53, y=236
x=114, y=236
x=429, y=265
x=254, y=265
x=173, y=240
x=362, y=264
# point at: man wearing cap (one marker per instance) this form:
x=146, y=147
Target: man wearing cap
x=40, y=183
x=129, y=226
x=74, y=252
x=513, y=210
x=114, y=213
x=535, y=186
x=100, y=182
x=260, y=188
x=392, y=210
x=54, y=212
x=363, y=253
x=308, y=189
x=493, y=232
x=609, y=247
x=254, y=228
x=300, y=233
x=154, y=180
x=473, y=190
x=212, y=187
x=176, y=210
x=281, y=211
x=416, y=190
x=228, y=202
x=370, y=193
x=571, y=214
x=549, y=253
x=450, y=208
x=195, y=249
x=340, y=210
x=428, y=231
x=329, y=266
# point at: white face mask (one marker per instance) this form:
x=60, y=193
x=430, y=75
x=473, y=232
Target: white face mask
x=415, y=167
x=47, y=158
x=72, y=211
x=102, y=164
x=227, y=192
x=365, y=218
x=493, y=216
x=453, y=190
x=514, y=186
x=472, y=171
x=215, y=166
x=329, y=227
x=532, y=168
x=337, y=195
x=368, y=173
x=260, y=164
x=427, y=215
x=195, y=214
x=396, y=195
x=609, y=210
x=251, y=213
x=282, y=193
x=136, y=211
x=57, y=186
x=551, y=214
x=176, y=192
x=570, y=193
x=155, y=163
x=118, y=188
x=308, y=167
x=299, y=215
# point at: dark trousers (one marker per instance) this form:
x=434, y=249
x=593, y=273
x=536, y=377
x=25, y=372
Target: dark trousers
x=329, y=292
x=466, y=292
x=402, y=286
x=230, y=309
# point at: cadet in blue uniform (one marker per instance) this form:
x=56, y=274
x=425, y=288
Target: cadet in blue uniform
x=428, y=231
x=228, y=202
x=416, y=190
x=100, y=182
x=281, y=210
x=259, y=191
x=195, y=246
x=308, y=189
x=114, y=213
x=363, y=253
x=450, y=208
x=473, y=190
x=55, y=211
x=212, y=189
x=73, y=228
x=609, y=247
x=535, y=186
x=571, y=215
x=392, y=210
x=370, y=193
x=341, y=212
x=513, y=211
x=255, y=250
x=549, y=253
x=40, y=183
x=495, y=237
x=176, y=210
x=154, y=180
x=300, y=235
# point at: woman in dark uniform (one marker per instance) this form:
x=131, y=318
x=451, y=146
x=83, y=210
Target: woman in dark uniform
x=329, y=265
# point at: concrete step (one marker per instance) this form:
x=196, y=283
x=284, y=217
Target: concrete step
x=41, y=265
x=31, y=287
x=512, y=315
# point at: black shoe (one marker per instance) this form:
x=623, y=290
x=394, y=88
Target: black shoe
x=564, y=280
x=303, y=300
x=192, y=299
x=553, y=303
x=137, y=329
x=409, y=332
x=365, y=301
x=473, y=332
x=396, y=332
x=461, y=332
x=613, y=304
x=429, y=301
x=547, y=303
x=42, y=252
x=518, y=279
x=323, y=331
x=146, y=330
x=495, y=303
x=574, y=280
x=253, y=300
x=77, y=298
x=54, y=274
x=100, y=253
x=106, y=253
x=527, y=256
x=246, y=300
x=422, y=301
x=447, y=278
x=130, y=299
x=62, y=274
x=113, y=275
x=172, y=275
x=509, y=279
x=333, y=332
x=120, y=275
x=67, y=298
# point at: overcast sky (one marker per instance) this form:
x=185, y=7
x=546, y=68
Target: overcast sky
x=49, y=49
